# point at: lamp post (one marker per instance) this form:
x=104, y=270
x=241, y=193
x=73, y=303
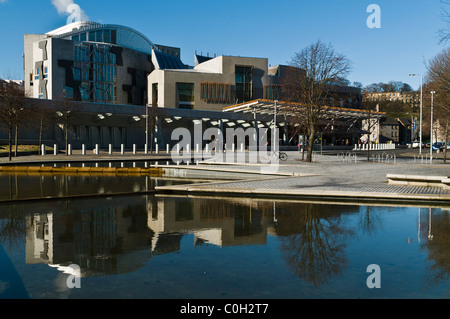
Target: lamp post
x=146, y=129
x=421, y=103
x=431, y=125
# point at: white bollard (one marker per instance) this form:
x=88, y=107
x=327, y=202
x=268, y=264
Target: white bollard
x=122, y=149
x=197, y=150
x=134, y=148
x=146, y=149
x=83, y=149
x=242, y=147
x=157, y=149
x=96, y=149
x=167, y=149
x=43, y=149
x=110, y=149
x=55, y=149
x=69, y=149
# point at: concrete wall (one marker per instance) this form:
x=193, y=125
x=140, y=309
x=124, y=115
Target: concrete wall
x=220, y=69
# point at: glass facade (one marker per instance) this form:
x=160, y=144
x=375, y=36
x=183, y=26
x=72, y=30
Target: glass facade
x=101, y=36
x=95, y=67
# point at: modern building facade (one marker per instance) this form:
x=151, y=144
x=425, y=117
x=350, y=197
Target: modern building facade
x=89, y=62
x=212, y=84
x=113, y=75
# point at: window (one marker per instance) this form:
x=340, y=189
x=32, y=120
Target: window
x=68, y=92
x=37, y=74
x=107, y=36
x=92, y=36
x=185, y=93
x=99, y=36
x=76, y=38
x=83, y=37
x=41, y=93
x=243, y=83
x=77, y=74
x=272, y=92
x=155, y=94
x=45, y=72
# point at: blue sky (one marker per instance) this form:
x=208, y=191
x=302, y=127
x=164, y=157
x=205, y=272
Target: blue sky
x=262, y=28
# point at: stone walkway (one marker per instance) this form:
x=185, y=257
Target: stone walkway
x=328, y=177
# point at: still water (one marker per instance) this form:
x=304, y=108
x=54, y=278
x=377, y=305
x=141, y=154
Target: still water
x=156, y=246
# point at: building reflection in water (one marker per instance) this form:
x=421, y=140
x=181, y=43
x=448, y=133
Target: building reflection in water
x=120, y=234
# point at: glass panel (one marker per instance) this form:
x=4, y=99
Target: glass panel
x=83, y=37
x=185, y=92
x=107, y=36
x=99, y=36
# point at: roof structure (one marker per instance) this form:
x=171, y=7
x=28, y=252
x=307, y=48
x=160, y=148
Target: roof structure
x=293, y=109
x=167, y=61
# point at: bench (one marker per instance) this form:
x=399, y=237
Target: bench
x=419, y=180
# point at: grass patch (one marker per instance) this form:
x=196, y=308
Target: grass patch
x=23, y=148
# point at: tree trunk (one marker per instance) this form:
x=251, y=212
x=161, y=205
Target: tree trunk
x=41, y=128
x=312, y=132
x=445, y=142
x=16, y=140
x=66, y=133
x=10, y=142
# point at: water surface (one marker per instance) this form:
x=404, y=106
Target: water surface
x=147, y=246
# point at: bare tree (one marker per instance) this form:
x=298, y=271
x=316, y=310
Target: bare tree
x=43, y=119
x=438, y=78
x=12, y=103
x=444, y=32
x=321, y=69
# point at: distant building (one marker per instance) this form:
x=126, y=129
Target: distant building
x=410, y=98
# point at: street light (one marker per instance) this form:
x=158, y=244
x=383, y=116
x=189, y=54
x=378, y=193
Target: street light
x=421, y=103
x=431, y=125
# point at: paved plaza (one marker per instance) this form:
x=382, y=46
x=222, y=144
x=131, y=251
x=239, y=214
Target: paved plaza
x=340, y=175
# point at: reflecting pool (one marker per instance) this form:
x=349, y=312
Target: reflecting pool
x=157, y=246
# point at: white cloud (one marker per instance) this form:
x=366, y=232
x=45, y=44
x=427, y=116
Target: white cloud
x=69, y=7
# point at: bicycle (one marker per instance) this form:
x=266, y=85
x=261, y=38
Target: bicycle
x=281, y=155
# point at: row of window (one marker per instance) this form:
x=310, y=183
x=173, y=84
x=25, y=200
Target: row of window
x=105, y=36
x=38, y=71
x=94, y=53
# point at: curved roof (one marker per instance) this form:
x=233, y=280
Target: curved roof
x=127, y=37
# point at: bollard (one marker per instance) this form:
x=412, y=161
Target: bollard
x=83, y=149
x=146, y=149
x=43, y=149
x=242, y=147
x=167, y=149
x=134, y=148
x=110, y=149
x=157, y=148
x=69, y=149
x=96, y=149
x=55, y=149
x=122, y=149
